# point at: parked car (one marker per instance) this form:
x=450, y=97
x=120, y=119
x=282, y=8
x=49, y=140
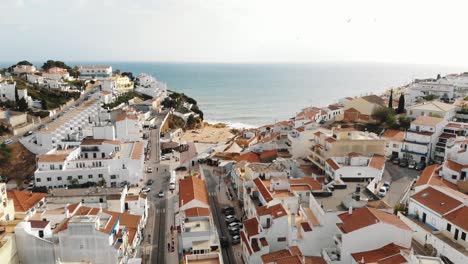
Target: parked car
x=8, y=141
x=382, y=192
x=233, y=228
x=28, y=133
x=226, y=208
x=235, y=239
x=149, y=182
x=396, y=161
x=421, y=166
x=229, y=211
x=386, y=185
x=234, y=232
x=146, y=189
x=235, y=224
x=403, y=163
x=411, y=164
x=230, y=219
x=161, y=194
x=149, y=170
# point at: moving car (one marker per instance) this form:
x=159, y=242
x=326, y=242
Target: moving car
x=149, y=182
x=382, y=192
x=149, y=170
x=145, y=189
x=161, y=194
x=411, y=164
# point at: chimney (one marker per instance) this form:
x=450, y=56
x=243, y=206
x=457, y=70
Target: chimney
x=362, y=261
x=350, y=210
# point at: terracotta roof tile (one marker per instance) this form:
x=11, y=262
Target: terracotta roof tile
x=275, y=211
x=192, y=188
x=454, y=166
x=427, y=121
x=52, y=157
x=249, y=156
x=251, y=227
x=377, y=162
x=197, y=211
x=38, y=224
x=459, y=217
x=436, y=200
x=313, y=184
x=381, y=254
x=332, y=164
x=314, y=260
x=365, y=216
x=393, y=134
x=263, y=190
x=23, y=200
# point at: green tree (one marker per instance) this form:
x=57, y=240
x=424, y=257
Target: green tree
x=390, y=100
x=24, y=62
x=44, y=105
x=401, y=104
x=22, y=105
x=405, y=122
x=438, y=76
x=16, y=94
x=102, y=182
x=385, y=115
x=191, y=121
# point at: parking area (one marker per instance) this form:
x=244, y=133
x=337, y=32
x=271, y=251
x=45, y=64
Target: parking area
x=400, y=180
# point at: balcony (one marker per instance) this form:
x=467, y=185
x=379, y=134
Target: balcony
x=331, y=255
x=413, y=152
x=90, y=149
x=417, y=142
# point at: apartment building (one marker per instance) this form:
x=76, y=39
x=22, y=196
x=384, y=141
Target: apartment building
x=98, y=72
x=26, y=203
x=394, y=142
x=421, y=138
x=8, y=251
x=108, y=162
x=78, y=233
x=118, y=85
x=340, y=142
x=24, y=69
x=380, y=229
x=198, y=233
x=452, y=132
x=355, y=167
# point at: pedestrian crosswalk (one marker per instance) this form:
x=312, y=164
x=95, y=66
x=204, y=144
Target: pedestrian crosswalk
x=161, y=211
x=212, y=194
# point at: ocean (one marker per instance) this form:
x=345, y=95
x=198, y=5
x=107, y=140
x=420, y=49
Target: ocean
x=246, y=95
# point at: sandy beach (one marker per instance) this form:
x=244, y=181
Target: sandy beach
x=210, y=133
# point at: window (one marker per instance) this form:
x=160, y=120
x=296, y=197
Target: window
x=90, y=176
x=49, y=179
x=454, y=177
x=69, y=178
x=113, y=177
x=38, y=179
x=395, y=145
x=52, y=166
x=449, y=227
x=94, y=155
x=281, y=239
x=103, y=155
x=80, y=177
x=60, y=166
x=463, y=236
x=59, y=178
x=100, y=175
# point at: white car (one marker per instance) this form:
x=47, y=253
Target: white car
x=161, y=194
x=386, y=185
x=8, y=141
x=146, y=189
x=382, y=192
x=149, y=170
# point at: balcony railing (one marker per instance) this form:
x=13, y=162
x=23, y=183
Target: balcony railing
x=413, y=152
x=416, y=142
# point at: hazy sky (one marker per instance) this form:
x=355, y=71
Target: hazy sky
x=408, y=31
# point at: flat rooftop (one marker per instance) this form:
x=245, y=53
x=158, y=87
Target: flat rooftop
x=92, y=191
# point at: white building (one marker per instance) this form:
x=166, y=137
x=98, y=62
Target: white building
x=198, y=233
x=444, y=213
x=56, y=73
x=7, y=92
x=366, y=229
x=421, y=139
x=418, y=90
x=93, y=161
x=24, y=69
x=98, y=72
x=455, y=166
x=84, y=234
x=433, y=109
x=394, y=142
x=355, y=167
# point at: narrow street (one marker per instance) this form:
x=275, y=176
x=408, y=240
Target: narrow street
x=218, y=217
